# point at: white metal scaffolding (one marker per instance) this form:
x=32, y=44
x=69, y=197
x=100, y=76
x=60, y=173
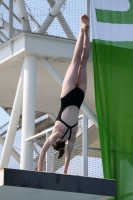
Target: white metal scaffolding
x=25, y=98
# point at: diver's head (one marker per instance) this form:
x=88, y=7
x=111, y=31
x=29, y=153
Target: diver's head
x=59, y=146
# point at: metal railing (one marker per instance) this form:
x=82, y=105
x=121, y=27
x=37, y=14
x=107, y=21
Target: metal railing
x=53, y=164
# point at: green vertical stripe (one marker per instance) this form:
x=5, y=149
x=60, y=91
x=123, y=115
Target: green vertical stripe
x=113, y=76
x=116, y=17
x=103, y=140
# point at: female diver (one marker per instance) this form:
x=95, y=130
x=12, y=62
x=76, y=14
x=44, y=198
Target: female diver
x=72, y=95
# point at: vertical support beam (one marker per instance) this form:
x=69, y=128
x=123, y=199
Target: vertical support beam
x=85, y=145
x=29, y=15
x=88, y=13
x=14, y=119
x=59, y=79
x=48, y=157
x=23, y=15
x=11, y=19
x=5, y=25
x=89, y=113
x=28, y=115
x=88, y=8
x=52, y=163
x=15, y=16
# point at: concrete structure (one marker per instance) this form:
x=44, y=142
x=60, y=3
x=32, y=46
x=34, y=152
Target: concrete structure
x=21, y=184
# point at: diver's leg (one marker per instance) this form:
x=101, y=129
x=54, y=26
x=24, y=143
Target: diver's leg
x=82, y=73
x=71, y=76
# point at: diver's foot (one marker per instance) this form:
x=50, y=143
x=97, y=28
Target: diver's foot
x=85, y=23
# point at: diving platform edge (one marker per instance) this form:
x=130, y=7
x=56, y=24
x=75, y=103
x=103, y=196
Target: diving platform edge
x=22, y=184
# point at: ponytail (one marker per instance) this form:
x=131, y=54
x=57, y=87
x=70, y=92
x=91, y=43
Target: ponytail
x=59, y=146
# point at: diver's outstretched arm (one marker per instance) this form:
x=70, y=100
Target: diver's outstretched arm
x=44, y=149
x=68, y=155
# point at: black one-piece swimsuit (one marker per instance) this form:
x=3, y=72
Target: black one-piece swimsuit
x=74, y=98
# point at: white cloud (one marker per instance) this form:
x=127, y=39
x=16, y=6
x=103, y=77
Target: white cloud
x=114, y=5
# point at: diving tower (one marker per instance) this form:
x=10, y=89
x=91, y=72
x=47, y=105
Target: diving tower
x=33, y=63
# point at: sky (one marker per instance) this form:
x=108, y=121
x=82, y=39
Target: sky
x=4, y=117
